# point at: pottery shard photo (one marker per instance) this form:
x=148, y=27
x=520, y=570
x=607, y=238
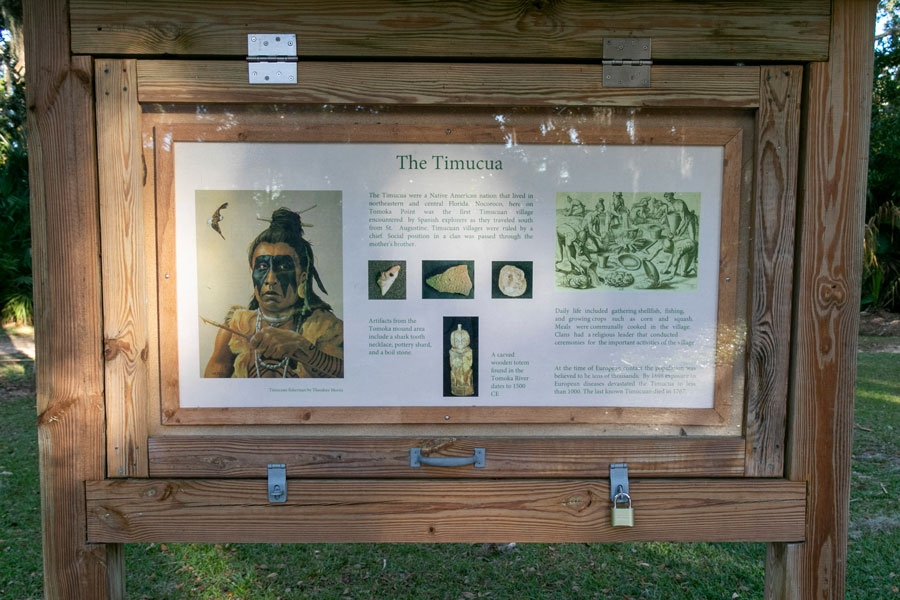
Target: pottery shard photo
x=627, y=240
x=448, y=279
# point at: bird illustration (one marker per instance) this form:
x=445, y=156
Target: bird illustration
x=214, y=220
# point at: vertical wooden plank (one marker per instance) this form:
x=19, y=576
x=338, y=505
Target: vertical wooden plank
x=149, y=188
x=728, y=267
x=777, y=149
x=116, y=574
x=67, y=297
x=832, y=192
x=126, y=344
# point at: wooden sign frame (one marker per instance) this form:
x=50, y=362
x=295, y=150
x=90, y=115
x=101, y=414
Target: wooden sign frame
x=109, y=467
x=164, y=137
x=152, y=448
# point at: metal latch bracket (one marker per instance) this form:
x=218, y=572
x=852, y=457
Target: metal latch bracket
x=618, y=480
x=277, y=483
x=626, y=62
x=272, y=58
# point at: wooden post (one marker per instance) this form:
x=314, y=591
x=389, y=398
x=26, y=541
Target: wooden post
x=832, y=194
x=66, y=244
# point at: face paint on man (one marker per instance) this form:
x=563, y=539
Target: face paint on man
x=283, y=268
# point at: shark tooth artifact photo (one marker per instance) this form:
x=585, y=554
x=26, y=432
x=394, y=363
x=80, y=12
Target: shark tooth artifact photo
x=387, y=278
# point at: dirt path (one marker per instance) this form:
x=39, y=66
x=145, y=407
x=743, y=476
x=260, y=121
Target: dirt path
x=879, y=332
x=16, y=343
x=16, y=362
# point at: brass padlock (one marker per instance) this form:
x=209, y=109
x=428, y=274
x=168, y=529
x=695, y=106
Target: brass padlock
x=622, y=516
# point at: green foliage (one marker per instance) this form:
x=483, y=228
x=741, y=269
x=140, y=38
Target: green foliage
x=881, y=262
x=15, y=229
x=881, y=258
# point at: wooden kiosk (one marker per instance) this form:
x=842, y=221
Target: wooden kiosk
x=466, y=137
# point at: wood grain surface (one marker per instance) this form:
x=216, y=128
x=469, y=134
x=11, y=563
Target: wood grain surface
x=125, y=310
x=67, y=300
x=774, y=215
x=781, y=30
x=447, y=83
x=227, y=456
x=832, y=183
x=729, y=338
x=216, y=510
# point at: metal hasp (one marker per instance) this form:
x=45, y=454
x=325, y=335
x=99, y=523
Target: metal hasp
x=626, y=62
x=416, y=460
x=272, y=58
x=618, y=480
x=277, y=483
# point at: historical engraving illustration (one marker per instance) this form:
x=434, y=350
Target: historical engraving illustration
x=627, y=240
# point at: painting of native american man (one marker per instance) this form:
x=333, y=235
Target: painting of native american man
x=286, y=330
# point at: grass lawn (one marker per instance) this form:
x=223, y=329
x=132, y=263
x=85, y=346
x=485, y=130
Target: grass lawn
x=21, y=573
x=874, y=553
x=462, y=571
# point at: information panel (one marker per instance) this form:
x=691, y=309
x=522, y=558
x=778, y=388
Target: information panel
x=485, y=275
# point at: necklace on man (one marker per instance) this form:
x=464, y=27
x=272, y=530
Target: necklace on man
x=269, y=319
x=281, y=364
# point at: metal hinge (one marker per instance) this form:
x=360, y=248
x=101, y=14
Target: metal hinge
x=626, y=62
x=272, y=58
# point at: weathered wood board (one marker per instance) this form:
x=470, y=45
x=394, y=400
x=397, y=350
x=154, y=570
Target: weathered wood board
x=361, y=457
x=211, y=510
x=407, y=83
x=779, y=30
x=768, y=354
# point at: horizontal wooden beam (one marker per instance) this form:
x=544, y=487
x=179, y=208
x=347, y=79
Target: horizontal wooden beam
x=456, y=83
x=221, y=456
x=779, y=30
x=227, y=510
